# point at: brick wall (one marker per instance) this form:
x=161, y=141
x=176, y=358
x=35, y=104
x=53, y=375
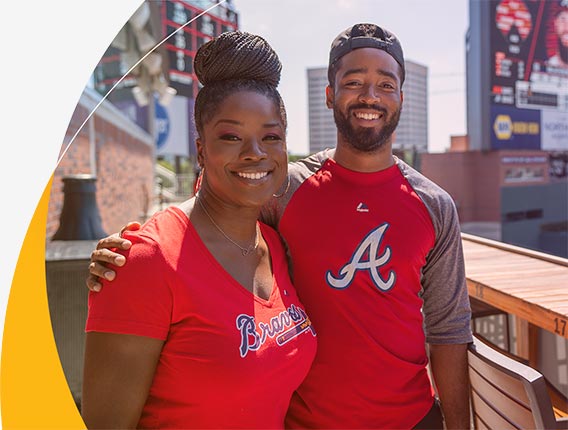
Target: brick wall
x=124, y=170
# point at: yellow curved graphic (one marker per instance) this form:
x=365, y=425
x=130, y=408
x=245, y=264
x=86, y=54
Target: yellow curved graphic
x=34, y=391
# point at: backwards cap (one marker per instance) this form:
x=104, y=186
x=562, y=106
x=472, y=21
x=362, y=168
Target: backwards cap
x=366, y=36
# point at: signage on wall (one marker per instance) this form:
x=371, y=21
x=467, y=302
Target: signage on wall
x=515, y=128
x=174, y=136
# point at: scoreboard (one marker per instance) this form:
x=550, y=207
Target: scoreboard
x=177, y=51
x=529, y=74
x=182, y=46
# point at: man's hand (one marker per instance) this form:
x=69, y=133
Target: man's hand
x=103, y=255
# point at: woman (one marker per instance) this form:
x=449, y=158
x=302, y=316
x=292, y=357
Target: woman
x=204, y=329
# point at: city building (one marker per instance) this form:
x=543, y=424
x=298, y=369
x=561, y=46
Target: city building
x=108, y=145
x=321, y=125
x=412, y=132
x=509, y=196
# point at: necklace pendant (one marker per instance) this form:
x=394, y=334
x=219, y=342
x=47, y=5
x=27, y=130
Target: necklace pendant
x=245, y=252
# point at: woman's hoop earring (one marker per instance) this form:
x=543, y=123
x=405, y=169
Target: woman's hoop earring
x=198, y=181
x=285, y=190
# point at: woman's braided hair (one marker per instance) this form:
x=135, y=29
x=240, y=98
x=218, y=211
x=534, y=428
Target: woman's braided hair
x=231, y=62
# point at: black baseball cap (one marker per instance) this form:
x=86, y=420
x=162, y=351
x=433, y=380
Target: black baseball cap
x=366, y=36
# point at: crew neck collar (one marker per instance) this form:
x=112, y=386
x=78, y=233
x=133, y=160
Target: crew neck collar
x=363, y=178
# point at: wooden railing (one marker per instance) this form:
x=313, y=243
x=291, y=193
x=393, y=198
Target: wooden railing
x=529, y=285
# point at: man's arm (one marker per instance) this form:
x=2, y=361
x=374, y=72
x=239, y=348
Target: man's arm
x=117, y=376
x=449, y=370
x=104, y=255
x=447, y=313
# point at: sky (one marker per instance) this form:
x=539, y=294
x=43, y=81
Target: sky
x=432, y=33
x=51, y=49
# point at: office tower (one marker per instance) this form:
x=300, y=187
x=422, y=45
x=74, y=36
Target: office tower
x=320, y=118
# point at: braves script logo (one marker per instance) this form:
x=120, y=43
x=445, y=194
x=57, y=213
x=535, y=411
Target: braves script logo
x=253, y=337
x=366, y=257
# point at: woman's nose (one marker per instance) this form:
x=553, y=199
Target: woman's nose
x=253, y=150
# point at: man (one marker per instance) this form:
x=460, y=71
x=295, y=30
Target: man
x=374, y=246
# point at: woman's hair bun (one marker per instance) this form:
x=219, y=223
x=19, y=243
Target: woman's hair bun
x=237, y=55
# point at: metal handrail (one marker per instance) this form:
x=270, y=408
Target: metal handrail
x=181, y=184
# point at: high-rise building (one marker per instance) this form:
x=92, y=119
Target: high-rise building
x=412, y=131
x=321, y=124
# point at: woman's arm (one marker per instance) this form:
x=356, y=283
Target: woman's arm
x=117, y=376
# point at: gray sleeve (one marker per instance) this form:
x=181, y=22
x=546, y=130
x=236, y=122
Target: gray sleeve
x=447, y=313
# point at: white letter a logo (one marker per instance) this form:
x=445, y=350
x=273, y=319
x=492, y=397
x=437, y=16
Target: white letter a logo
x=371, y=243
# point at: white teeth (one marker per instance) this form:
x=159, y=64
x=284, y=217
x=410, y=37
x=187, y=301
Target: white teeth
x=367, y=116
x=256, y=175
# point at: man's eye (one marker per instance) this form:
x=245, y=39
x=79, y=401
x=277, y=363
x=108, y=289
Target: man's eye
x=352, y=84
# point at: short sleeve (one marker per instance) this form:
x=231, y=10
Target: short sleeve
x=139, y=300
x=447, y=311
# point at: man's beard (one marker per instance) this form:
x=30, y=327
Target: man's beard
x=366, y=139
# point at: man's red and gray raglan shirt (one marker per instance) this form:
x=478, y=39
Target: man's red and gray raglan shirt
x=377, y=261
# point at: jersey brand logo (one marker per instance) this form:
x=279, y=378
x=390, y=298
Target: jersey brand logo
x=362, y=207
x=366, y=257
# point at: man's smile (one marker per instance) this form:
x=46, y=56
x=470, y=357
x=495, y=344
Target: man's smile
x=368, y=116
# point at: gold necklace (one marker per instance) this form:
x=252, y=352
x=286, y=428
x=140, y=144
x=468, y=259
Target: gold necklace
x=244, y=251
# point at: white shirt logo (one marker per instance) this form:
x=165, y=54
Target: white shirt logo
x=362, y=207
x=371, y=243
